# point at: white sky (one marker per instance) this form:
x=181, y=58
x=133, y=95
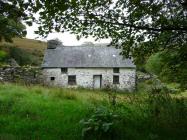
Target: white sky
x=66, y=38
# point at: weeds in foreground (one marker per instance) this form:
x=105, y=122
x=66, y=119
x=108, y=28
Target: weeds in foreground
x=100, y=125
x=48, y=113
x=168, y=115
x=155, y=116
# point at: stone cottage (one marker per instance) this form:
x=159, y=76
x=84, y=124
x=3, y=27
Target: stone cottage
x=87, y=66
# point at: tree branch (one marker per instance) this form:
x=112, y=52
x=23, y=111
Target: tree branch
x=161, y=29
x=169, y=28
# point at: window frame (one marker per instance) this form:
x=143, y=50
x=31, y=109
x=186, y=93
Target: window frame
x=52, y=78
x=116, y=70
x=64, y=70
x=72, y=80
x=116, y=81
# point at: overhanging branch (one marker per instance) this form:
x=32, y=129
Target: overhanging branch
x=159, y=29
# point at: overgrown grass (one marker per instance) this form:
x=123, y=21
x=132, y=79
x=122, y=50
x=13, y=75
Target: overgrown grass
x=41, y=113
x=54, y=113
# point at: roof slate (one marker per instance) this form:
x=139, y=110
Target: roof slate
x=85, y=56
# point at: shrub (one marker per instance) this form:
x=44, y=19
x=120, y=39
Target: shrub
x=3, y=55
x=154, y=64
x=100, y=125
x=155, y=86
x=170, y=66
x=23, y=57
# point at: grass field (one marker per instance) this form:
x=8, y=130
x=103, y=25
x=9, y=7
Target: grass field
x=42, y=113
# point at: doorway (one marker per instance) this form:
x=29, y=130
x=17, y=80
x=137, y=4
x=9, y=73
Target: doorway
x=97, y=81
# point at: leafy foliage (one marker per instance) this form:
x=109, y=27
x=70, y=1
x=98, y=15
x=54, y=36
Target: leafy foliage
x=170, y=66
x=154, y=63
x=3, y=55
x=99, y=125
x=22, y=57
x=10, y=20
x=139, y=27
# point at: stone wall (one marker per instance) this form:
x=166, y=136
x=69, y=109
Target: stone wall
x=84, y=77
x=26, y=75
x=141, y=76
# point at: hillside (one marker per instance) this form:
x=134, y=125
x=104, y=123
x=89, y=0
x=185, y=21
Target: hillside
x=69, y=114
x=30, y=45
x=31, y=51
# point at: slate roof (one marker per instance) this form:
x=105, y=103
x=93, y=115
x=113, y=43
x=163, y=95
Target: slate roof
x=84, y=56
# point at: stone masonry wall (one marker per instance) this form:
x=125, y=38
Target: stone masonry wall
x=84, y=77
x=26, y=75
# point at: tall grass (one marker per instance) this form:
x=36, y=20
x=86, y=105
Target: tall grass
x=37, y=113
x=54, y=113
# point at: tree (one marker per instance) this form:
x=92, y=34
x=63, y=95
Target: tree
x=10, y=20
x=139, y=26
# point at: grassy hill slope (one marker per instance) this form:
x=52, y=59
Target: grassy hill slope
x=54, y=113
x=24, y=51
x=29, y=45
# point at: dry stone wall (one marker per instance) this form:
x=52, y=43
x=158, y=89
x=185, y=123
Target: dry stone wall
x=26, y=75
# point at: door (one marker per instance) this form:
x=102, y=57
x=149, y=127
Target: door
x=97, y=81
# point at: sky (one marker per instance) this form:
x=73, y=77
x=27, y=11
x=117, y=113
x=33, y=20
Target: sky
x=66, y=38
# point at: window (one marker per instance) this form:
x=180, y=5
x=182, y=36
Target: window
x=52, y=78
x=71, y=80
x=115, y=79
x=115, y=70
x=64, y=70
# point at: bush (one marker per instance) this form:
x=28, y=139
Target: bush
x=23, y=57
x=100, y=125
x=154, y=64
x=3, y=55
x=170, y=66
x=155, y=86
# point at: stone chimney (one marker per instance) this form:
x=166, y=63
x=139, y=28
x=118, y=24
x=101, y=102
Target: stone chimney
x=53, y=44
